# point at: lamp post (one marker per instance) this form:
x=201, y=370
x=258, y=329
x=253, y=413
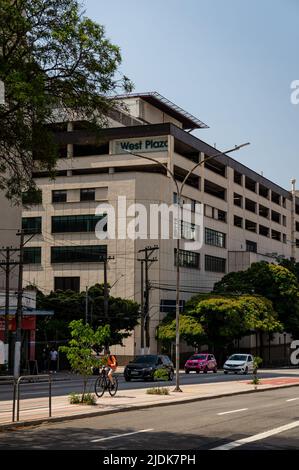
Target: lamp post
x=179, y=203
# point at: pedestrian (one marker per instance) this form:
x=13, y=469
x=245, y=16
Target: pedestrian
x=45, y=360
x=53, y=360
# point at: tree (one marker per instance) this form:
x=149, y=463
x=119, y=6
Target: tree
x=191, y=330
x=275, y=282
x=80, y=349
x=56, y=65
x=225, y=318
x=69, y=305
x=218, y=320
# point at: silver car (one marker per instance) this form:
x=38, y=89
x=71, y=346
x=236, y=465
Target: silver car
x=239, y=363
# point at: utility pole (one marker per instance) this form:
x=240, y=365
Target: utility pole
x=18, y=341
x=147, y=260
x=7, y=266
x=86, y=305
x=293, y=220
x=142, y=309
x=6, y=321
x=106, y=290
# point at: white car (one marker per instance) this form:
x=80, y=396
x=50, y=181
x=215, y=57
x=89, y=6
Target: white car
x=242, y=363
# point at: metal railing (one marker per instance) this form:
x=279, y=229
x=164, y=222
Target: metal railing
x=11, y=379
x=22, y=378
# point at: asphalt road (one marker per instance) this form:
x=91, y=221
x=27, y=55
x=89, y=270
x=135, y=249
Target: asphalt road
x=65, y=387
x=268, y=420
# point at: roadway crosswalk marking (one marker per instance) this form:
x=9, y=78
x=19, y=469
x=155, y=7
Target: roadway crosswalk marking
x=257, y=437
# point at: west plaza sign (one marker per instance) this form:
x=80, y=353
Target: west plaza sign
x=150, y=144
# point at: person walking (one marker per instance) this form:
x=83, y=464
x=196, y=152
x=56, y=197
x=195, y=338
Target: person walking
x=53, y=360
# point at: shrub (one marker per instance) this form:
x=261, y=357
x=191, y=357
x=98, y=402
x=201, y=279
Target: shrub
x=157, y=391
x=161, y=374
x=87, y=399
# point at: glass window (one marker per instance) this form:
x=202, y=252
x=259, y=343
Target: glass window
x=87, y=194
x=67, y=283
x=32, y=255
x=187, y=259
x=215, y=238
x=76, y=223
x=215, y=264
x=59, y=195
x=251, y=246
x=78, y=254
x=32, y=225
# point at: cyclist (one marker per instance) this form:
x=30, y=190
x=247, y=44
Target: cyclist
x=111, y=366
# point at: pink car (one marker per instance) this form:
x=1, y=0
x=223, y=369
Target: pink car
x=204, y=362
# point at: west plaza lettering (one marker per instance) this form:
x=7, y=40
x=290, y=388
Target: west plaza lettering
x=147, y=144
x=142, y=145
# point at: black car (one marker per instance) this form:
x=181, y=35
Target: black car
x=144, y=367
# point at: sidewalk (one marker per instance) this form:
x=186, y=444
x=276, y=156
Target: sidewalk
x=35, y=410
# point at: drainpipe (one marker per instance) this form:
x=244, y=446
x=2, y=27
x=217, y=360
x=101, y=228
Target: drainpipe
x=293, y=222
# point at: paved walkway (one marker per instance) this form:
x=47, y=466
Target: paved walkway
x=36, y=410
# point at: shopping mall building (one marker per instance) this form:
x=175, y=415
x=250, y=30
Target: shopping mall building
x=246, y=218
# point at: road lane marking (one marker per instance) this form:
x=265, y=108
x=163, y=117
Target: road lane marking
x=292, y=399
x=233, y=411
x=257, y=437
x=121, y=435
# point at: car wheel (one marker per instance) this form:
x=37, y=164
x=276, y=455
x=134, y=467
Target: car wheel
x=225, y=372
x=128, y=379
x=187, y=371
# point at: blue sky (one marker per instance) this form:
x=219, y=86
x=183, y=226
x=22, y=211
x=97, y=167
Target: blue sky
x=230, y=63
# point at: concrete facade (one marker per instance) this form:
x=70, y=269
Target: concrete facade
x=248, y=217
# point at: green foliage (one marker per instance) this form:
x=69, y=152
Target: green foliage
x=69, y=305
x=161, y=374
x=52, y=58
x=275, y=282
x=157, y=391
x=77, y=399
x=255, y=380
x=80, y=349
x=191, y=330
x=226, y=318
x=218, y=320
x=257, y=362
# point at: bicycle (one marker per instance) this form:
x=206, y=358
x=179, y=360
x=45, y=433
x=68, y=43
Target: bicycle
x=103, y=383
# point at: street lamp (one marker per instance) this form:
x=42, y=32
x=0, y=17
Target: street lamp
x=179, y=202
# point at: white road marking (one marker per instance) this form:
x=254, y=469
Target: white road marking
x=233, y=411
x=257, y=437
x=121, y=435
x=292, y=399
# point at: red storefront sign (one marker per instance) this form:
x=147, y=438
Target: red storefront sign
x=28, y=323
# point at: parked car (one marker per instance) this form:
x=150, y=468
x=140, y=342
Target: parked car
x=201, y=363
x=242, y=363
x=144, y=367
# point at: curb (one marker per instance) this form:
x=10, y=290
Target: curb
x=39, y=421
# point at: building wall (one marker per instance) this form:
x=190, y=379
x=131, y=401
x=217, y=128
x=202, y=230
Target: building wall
x=10, y=217
x=133, y=177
